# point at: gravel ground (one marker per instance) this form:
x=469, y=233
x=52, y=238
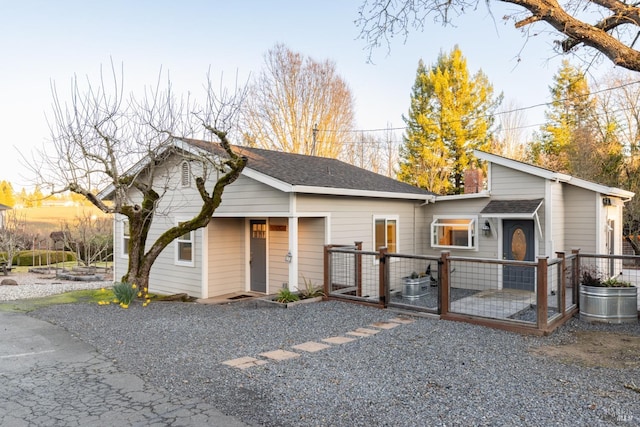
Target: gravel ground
x=33, y=285
x=429, y=372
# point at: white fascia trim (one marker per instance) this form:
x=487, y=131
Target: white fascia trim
x=253, y=215
x=524, y=167
x=267, y=180
x=481, y=194
x=603, y=189
x=361, y=193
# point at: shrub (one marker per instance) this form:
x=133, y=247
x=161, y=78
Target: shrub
x=285, y=296
x=42, y=257
x=309, y=290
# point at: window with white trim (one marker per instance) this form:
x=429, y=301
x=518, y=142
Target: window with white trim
x=456, y=232
x=185, y=176
x=184, y=249
x=385, y=233
x=125, y=239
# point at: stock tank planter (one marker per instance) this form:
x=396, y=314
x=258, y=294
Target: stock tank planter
x=609, y=304
x=415, y=287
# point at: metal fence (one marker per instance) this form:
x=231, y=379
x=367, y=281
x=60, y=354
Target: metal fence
x=467, y=289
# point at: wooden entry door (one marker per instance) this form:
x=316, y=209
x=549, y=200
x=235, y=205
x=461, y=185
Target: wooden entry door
x=258, y=255
x=518, y=244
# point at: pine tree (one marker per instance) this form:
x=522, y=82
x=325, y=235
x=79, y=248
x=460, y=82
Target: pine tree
x=450, y=115
x=569, y=118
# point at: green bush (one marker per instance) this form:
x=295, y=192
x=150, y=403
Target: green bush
x=42, y=257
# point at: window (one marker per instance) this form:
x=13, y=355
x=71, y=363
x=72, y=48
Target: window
x=386, y=233
x=185, y=176
x=125, y=238
x=454, y=232
x=184, y=249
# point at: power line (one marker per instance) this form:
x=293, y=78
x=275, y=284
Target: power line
x=514, y=110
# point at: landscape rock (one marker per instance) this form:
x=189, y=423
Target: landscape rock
x=8, y=282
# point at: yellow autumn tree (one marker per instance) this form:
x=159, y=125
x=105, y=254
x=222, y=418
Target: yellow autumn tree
x=450, y=115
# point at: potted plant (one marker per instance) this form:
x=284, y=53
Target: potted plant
x=607, y=300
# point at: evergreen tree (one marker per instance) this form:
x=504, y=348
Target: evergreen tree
x=569, y=118
x=6, y=194
x=450, y=115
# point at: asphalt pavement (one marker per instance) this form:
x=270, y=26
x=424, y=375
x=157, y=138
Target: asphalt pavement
x=50, y=378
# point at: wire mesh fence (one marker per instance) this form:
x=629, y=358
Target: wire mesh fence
x=522, y=295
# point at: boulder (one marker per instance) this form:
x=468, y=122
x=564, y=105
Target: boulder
x=8, y=282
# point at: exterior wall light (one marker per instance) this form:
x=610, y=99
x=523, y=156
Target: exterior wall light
x=486, y=228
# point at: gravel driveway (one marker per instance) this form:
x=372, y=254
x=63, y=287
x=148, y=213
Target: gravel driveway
x=427, y=372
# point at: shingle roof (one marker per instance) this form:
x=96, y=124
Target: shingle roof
x=512, y=206
x=312, y=171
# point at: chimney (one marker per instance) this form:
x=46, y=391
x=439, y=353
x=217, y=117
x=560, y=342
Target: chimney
x=473, y=180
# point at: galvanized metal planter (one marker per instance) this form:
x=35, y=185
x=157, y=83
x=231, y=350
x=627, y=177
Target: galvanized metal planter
x=413, y=288
x=609, y=304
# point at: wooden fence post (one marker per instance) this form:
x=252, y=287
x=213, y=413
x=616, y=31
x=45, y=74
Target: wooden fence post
x=326, y=270
x=541, y=294
x=382, y=278
x=358, y=268
x=575, y=276
x=562, y=297
x=443, y=289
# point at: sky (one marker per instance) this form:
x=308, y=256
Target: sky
x=48, y=42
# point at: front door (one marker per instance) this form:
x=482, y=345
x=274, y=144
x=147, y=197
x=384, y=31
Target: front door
x=518, y=244
x=258, y=256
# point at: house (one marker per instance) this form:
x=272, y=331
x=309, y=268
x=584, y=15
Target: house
x=523, y=213
x=273, y=222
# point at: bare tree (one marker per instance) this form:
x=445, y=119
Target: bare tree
x=378, y=154
x=610, y=27
x=104, y=139
x=89, y=236
x=510, y=140
x=13, y=236
x=298, y=105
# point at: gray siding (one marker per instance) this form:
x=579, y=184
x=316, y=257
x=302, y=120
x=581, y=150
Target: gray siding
x=351, y=218
x=310, y=251
x=509, y=183
x=226, y=240
x=247, y=196
x=278, y=244
x=580, y=219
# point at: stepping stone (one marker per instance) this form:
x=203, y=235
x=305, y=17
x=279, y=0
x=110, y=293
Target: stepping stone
x=363, y=332
x=402, y=320
x=338, y=340
x=311, y=346
x=244, y=362
x=280, y=355
x=385, y=325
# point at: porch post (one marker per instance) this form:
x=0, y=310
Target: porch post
x=293, y=249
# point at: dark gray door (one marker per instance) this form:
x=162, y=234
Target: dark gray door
x=518, y=244
x=258, y=261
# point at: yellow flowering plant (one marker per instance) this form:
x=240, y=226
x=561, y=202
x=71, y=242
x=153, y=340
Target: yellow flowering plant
x=124, y=293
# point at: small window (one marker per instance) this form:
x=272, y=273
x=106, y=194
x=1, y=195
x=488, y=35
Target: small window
x=184, y=249
x=185, y=174
x=454, y=232
x=386, y=234
x=125, y=238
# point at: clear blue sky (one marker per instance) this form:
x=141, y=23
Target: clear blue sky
x=45, y=41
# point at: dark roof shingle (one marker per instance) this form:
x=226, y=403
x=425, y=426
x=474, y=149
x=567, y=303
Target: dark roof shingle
x=312, y=171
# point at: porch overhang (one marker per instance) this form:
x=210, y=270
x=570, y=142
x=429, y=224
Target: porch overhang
x=514, y=209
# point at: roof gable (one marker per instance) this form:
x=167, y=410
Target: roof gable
x=551, y=175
